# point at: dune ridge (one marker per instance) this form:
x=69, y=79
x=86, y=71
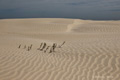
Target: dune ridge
x=91, y=51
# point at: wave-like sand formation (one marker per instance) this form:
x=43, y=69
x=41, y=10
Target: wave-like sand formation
x=91, y=51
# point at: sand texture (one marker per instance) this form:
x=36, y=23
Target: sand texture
x=91, y=50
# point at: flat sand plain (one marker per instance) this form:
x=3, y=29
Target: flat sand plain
x=91, y=51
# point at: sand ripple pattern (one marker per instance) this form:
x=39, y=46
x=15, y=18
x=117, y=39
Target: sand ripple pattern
x=91, y=52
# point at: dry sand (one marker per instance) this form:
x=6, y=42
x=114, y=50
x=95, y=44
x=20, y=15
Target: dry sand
x=91, y=51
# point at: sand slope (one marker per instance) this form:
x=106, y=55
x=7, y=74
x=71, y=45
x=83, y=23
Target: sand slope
x=91, y=51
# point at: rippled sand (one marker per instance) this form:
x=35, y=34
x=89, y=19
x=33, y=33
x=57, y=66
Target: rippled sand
x=91, y=51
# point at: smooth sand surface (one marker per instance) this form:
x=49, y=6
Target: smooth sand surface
x=91, y=51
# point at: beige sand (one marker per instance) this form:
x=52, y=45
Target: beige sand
x=91, y=51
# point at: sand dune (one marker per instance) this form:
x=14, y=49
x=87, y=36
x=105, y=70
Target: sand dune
x=91, y=51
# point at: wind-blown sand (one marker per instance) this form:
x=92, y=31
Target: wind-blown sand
x=91, y=51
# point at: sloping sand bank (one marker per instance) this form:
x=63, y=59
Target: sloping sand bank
x=91, y=51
